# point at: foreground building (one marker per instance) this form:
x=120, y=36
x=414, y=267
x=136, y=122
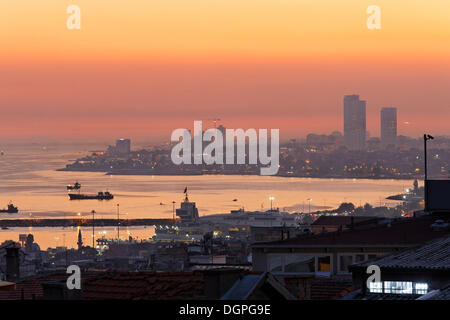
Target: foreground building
x=330, y=254
x=408, y=274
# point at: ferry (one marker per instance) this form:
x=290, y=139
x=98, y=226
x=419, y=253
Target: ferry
x=11, y=209
x=99, y=196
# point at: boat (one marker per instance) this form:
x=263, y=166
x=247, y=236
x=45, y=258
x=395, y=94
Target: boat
x=177, y=233
x=11, y=209
x=270, y=218
x=75, y=186
x=99, y=196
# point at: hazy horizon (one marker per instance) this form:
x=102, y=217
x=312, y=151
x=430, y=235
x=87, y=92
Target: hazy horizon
x=147, y=68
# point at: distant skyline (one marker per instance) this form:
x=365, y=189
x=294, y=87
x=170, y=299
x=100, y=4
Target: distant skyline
x=142, y=69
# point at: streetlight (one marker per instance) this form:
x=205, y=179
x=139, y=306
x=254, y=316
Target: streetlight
x=309, y=205
x=93, y=233
x=118, y=224
x=173, y=211
x=271, y=201
x=426, y=137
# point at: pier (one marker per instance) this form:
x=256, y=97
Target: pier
x=81, y=222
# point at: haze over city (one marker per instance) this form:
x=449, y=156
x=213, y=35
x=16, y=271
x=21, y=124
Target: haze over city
x=145, y=69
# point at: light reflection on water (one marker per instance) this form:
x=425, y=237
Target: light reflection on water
x=28, y=178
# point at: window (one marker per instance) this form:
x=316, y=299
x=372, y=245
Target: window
x=421, y=288
x=324, y=264
x=398, y=287
x=360, y=258
x=376, y=287
x=344, y=262
x=300, y=263
x=274, y=263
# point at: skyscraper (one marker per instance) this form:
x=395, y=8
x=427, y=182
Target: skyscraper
x=388, y=117
x=123, y=146
x=354, y=122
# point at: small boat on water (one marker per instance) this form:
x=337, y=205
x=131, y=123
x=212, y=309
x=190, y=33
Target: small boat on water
x=99, y=196
x=75, y=186
x=11, y=209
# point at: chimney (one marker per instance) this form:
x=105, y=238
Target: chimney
x=12, y=264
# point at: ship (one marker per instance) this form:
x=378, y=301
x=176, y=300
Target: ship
x=416, y=194
x=99, y=196
x=190, y=227
x=11, y=209
x=75, y=186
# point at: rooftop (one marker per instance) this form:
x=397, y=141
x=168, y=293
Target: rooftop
x=400, y=232
x=342, y=220
x=144, y=286
x=433, y=255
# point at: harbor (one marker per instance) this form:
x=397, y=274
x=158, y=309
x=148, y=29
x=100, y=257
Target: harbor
x=11, y=223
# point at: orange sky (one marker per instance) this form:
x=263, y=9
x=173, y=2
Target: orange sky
x=143, y=68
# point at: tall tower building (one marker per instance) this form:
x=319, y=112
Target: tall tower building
x=354, y=122
x=123, y=146
x=388, y=117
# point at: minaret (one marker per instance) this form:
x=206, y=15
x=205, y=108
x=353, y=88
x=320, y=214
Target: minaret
x=416, y=186
x=80, y=240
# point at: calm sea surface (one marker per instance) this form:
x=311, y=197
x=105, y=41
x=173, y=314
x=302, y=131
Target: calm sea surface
x=28, y=179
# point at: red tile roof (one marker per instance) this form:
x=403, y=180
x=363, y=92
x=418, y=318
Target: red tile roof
x=144, y=286
x=330, y=289
x=31, y=288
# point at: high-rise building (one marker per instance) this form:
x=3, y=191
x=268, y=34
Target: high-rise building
x=123, y=146
x=354, y=122
x=388, y=117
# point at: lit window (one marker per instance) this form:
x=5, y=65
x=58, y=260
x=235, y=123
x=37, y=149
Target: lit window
x=376, y=287
x=398, y=287
x=421, y=288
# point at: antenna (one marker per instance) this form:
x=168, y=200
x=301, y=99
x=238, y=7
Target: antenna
x=118, y=224
x=215, y=120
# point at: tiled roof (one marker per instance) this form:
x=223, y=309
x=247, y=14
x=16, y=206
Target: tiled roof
x=31, y=288
x=443, y=294
x=433, y=255
x=329, y=289
x=406, y=231
x=341, y=220
x=144, y=286
x=387, y=296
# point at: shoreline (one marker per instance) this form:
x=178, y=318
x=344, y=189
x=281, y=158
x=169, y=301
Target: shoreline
x=121, y=173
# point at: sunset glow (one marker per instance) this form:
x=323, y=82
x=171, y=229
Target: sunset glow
x=157, y=65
